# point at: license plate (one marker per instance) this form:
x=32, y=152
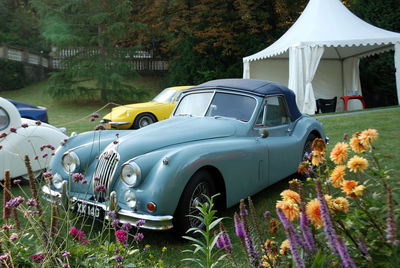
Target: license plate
x=89, y=210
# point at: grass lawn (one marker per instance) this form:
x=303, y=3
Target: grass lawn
x=75, y=116
x=387, y=122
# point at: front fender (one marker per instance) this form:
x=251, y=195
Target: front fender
x=172, y=170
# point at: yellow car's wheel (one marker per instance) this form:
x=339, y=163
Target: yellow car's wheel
x=143, y=120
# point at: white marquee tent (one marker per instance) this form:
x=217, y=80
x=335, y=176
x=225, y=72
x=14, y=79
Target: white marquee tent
x=318, y=56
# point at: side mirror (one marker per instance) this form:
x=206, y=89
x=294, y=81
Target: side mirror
x=264, y=133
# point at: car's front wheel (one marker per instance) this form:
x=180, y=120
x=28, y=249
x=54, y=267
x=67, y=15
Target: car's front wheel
x=199, y=186
x=143, y=120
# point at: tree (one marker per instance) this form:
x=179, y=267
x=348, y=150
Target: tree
x=378, y=72
x=95, y=30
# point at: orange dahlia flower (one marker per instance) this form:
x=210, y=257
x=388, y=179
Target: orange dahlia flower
x=357, y=163
x=317, y=158
x=290, y=209
x=352, y=189
x=314, y=214
x=284, y=248
x=341, y=204
x=339, y=153
x=318, y=145
x=288, y=195
x=368, y=136
x=337, y=176
x=356, y=144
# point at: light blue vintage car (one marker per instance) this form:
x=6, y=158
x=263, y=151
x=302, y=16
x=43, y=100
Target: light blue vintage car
x=228, y=136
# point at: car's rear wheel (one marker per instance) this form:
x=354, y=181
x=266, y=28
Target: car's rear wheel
x=143, y=120
x=199, y=186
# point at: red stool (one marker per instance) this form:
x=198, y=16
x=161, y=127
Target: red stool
x=347, y=98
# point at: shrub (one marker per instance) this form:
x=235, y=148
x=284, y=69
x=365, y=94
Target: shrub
x=12, y=75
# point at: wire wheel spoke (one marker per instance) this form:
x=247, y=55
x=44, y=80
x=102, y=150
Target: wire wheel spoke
x=198, y=197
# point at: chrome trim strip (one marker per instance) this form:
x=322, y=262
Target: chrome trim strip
x=152, y=222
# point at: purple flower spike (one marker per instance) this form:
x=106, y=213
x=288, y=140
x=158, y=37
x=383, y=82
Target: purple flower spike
x=239, y=228
x=293, y=238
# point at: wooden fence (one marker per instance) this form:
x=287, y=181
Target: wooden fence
x=141, y=61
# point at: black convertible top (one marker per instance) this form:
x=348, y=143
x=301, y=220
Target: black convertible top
x=257, y=87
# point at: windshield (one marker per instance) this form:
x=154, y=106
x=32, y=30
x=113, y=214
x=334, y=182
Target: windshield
x=220, y=104
x=167, y=95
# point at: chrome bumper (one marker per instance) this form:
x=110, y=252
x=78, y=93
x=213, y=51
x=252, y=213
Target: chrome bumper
x=123, y=215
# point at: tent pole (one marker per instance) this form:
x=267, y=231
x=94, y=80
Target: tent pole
x=342, y=71
x=397, y=69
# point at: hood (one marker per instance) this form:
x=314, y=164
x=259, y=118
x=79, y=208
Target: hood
x=176, y=130
x=123, y=111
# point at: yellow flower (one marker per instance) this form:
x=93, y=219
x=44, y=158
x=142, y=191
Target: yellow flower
x=284, y=247
x=357, y=163
x=288, y=195
x=358, y=191
x=318, y=145
x=328, y=200
x=356, y=144
x=337, y=176
x=339, y=153
x=368, y=136
x=317, y=158
x=290, y=209
x=314, y=214
x=341, y=204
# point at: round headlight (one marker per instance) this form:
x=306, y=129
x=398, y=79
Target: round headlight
x=130, y=174
x=70, y=161
x=130, y=199
x=57, y=181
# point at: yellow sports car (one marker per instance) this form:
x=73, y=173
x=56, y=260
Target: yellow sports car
x=139, y=115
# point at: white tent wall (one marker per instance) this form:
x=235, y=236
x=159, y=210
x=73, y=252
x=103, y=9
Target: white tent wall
x=328, y=25
x=327, y=83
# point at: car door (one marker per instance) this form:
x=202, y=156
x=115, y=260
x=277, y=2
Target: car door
x=280, y=145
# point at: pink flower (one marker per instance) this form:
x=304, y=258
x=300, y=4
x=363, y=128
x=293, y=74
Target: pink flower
x=77, y=177
x=36, y=157
x=38, y=258
x=16, y=181
x=77, y=234
x=100, y=188
x=95, y=115
x=66, y=253
x=24, y=125
x=45, y=155
x=139, y=237
x=31, y=202
x=84, y=181
x=121, y=236
x=7, y=228
x=3, y=135
x=99, y=127
x=115, y=142
x=13, y=129
x=38, y=122
x=13, y=237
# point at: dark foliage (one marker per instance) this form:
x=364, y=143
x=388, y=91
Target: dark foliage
x=12, y=75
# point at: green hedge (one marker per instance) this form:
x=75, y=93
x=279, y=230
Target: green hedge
x=12, y=75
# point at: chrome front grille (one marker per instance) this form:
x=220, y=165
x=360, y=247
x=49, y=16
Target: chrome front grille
x=104, y=172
